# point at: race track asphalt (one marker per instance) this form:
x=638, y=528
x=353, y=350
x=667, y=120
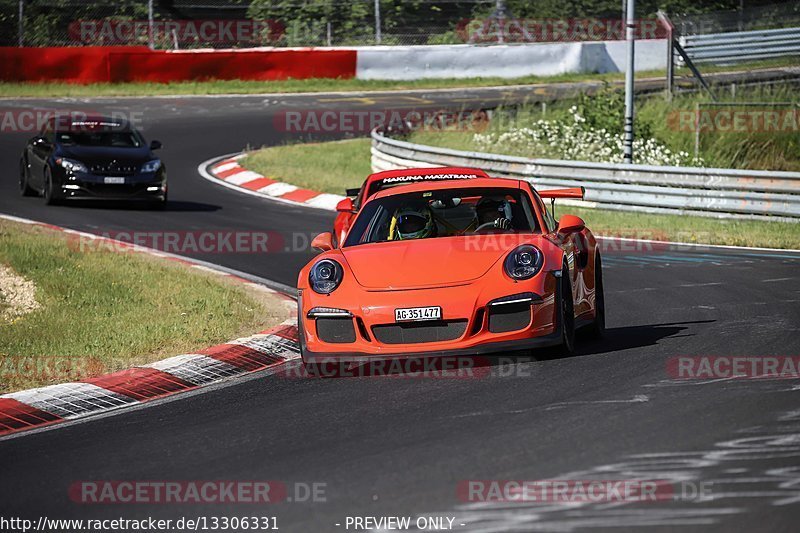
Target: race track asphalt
x=401, y=445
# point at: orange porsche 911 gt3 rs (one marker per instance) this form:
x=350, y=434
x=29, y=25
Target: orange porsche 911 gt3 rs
x=451, y=266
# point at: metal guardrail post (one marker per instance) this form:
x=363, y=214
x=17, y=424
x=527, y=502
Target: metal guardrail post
x=21, y=24
x=665, y=20
x=150, y=38
x=377, y=21
x=627, y=141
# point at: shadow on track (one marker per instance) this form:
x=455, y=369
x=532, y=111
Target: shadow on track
x=628, y=337
x=615, y=339
x=121, y=205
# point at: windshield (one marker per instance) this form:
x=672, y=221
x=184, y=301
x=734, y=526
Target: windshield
x=443, y=213
x=104, y=137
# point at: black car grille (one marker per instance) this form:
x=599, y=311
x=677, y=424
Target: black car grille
x=336, y=330
x=419, y=332
x=114, y=169
x=510, y=317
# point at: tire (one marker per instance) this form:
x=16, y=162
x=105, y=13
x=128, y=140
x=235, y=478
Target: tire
x=24, y=188
x=567, y=315
x=598, y=326
x=159, y=205
x=50, y=197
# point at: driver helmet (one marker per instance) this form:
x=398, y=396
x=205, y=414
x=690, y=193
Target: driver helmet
x=414, y=223
x=489, y=209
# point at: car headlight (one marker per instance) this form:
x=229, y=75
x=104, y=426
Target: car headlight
x=151, y=166
x=325, y=276
x=71, y=165
x=524, y=262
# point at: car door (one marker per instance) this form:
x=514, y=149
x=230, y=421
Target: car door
x=39, y=149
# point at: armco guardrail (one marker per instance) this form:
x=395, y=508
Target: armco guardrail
x=733, y=47
x=703, y=191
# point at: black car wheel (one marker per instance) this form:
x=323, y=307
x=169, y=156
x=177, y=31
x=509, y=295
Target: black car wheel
x=24, y=188
x=567, y=315
x=159, y=205
x=598, y=326
x=50, y=197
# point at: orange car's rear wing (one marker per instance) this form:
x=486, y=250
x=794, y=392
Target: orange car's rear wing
x=573, y=192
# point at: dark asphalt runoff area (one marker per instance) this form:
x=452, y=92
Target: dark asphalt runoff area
x=402, y=445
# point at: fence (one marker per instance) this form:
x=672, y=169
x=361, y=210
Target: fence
x=712, y=192
x=340, y=23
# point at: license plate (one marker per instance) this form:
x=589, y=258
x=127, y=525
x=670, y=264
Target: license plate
x=113, y=181
x=417, y=313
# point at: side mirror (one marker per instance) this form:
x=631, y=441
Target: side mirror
x=570, y=224
x=155, y=145
x=323, y=242
x=345, y=206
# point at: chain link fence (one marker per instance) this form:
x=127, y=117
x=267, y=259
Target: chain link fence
x=168, y=24
x=764, y=17
x=187, y=24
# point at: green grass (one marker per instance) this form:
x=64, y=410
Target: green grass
x=326, y=167
x=103, y=311
x=334, y=166
x=688, y=229
x=54, y=89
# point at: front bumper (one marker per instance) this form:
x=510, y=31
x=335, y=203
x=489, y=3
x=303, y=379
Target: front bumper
x=85, y=186
x=471, y=307
x=552, y=339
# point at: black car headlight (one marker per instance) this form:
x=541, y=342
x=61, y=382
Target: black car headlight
x=151, y=166
x=325, y=276
x=71, y=165
x=524, y=262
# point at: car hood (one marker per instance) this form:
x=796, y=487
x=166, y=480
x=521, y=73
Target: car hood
x=102, y=154
x=429, y=262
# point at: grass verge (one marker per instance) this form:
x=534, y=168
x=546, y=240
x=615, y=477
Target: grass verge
x=334, y=166
x=314, y=85
x=325, y=167
x=103, y=311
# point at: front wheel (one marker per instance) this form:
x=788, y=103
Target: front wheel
x=598, y=326
x=567, y=315
x=24, y=188
x=50, y=197
x=159, y=205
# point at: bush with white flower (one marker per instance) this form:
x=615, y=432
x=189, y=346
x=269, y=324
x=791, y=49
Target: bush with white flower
x=574, y=138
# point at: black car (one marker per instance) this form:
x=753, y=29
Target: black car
x=92, y=158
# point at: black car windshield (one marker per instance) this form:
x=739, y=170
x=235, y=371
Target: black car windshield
x=443, y=213
x=101, y=137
